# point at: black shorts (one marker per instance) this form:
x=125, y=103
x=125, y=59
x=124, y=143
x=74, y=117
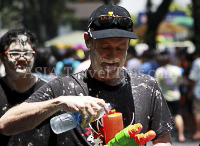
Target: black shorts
x=174, y=107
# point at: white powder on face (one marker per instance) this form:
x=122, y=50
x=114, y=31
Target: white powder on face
x=23, y=38
x=27, y=69
x=17, y=45
x=8, y=63
x=110, y=69
x=96, y=61
x=18, y=71
x=11, y=63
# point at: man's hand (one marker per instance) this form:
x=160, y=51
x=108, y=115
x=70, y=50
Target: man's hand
x=164, y=140
x=89, y=107
x=27, y=116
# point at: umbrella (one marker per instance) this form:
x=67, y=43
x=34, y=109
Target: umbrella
x=185, y=21
x=168, y=27
x=164, y=27
x=71, y=40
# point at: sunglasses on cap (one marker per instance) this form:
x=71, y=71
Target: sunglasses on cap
x=109, y=21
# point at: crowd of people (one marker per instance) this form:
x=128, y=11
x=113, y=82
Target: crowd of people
x=149, y=89
x=177, y=73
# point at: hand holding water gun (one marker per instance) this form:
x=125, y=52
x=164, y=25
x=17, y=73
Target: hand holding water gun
x=130, y=136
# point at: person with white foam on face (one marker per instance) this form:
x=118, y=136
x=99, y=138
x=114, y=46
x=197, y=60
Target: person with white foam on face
x=17, y=53
x=18, y=58
x=137, y=96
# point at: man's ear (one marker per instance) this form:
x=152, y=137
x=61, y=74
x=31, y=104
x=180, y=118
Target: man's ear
x=87, y=39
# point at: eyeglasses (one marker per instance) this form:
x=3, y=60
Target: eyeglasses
x=17, y=55
x=106, y=21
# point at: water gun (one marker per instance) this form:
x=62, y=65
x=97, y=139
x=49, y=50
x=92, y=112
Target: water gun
x=113, y=123
x=116, y=135
x=130, y=136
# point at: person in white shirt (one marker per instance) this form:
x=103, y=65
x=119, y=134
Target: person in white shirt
x=169, y=78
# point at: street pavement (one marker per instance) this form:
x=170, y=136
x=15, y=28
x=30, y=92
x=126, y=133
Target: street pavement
x=175, y=142
x=189, y=142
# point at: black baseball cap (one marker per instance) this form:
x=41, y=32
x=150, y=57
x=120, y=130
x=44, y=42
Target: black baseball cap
x=115, y=31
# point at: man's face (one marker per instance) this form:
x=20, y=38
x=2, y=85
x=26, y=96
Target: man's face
x=108, y=56
x=21, y=65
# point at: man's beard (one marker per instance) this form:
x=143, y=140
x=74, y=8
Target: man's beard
x=108, y=71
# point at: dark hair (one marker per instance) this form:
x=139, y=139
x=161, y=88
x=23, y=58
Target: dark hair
x=69, y=53
x=150, y=54
x=196, y=52
x=163, y=58
x=132, y=50
x=45, y=58
x=11, y=36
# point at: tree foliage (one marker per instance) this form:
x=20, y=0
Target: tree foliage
x=105, y=1
x=135, y=19
x=43, y=17
x=178, y=7
x=10, y=14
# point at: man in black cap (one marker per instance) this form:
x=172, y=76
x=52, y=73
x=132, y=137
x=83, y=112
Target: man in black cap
x=136, y=96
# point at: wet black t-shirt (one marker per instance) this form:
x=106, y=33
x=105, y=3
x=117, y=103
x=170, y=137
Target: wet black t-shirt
x=119, y=96
x=138, y=98
x=39, y=136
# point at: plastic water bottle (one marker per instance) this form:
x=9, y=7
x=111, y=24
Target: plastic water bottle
x=68, y=121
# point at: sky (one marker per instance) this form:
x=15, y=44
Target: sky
x=136, y=6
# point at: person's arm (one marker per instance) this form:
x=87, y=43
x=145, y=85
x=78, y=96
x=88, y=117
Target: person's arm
x=193, y=77
x=27, y=116
x=164, y=140
x=191, y=85
x=158, y=76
